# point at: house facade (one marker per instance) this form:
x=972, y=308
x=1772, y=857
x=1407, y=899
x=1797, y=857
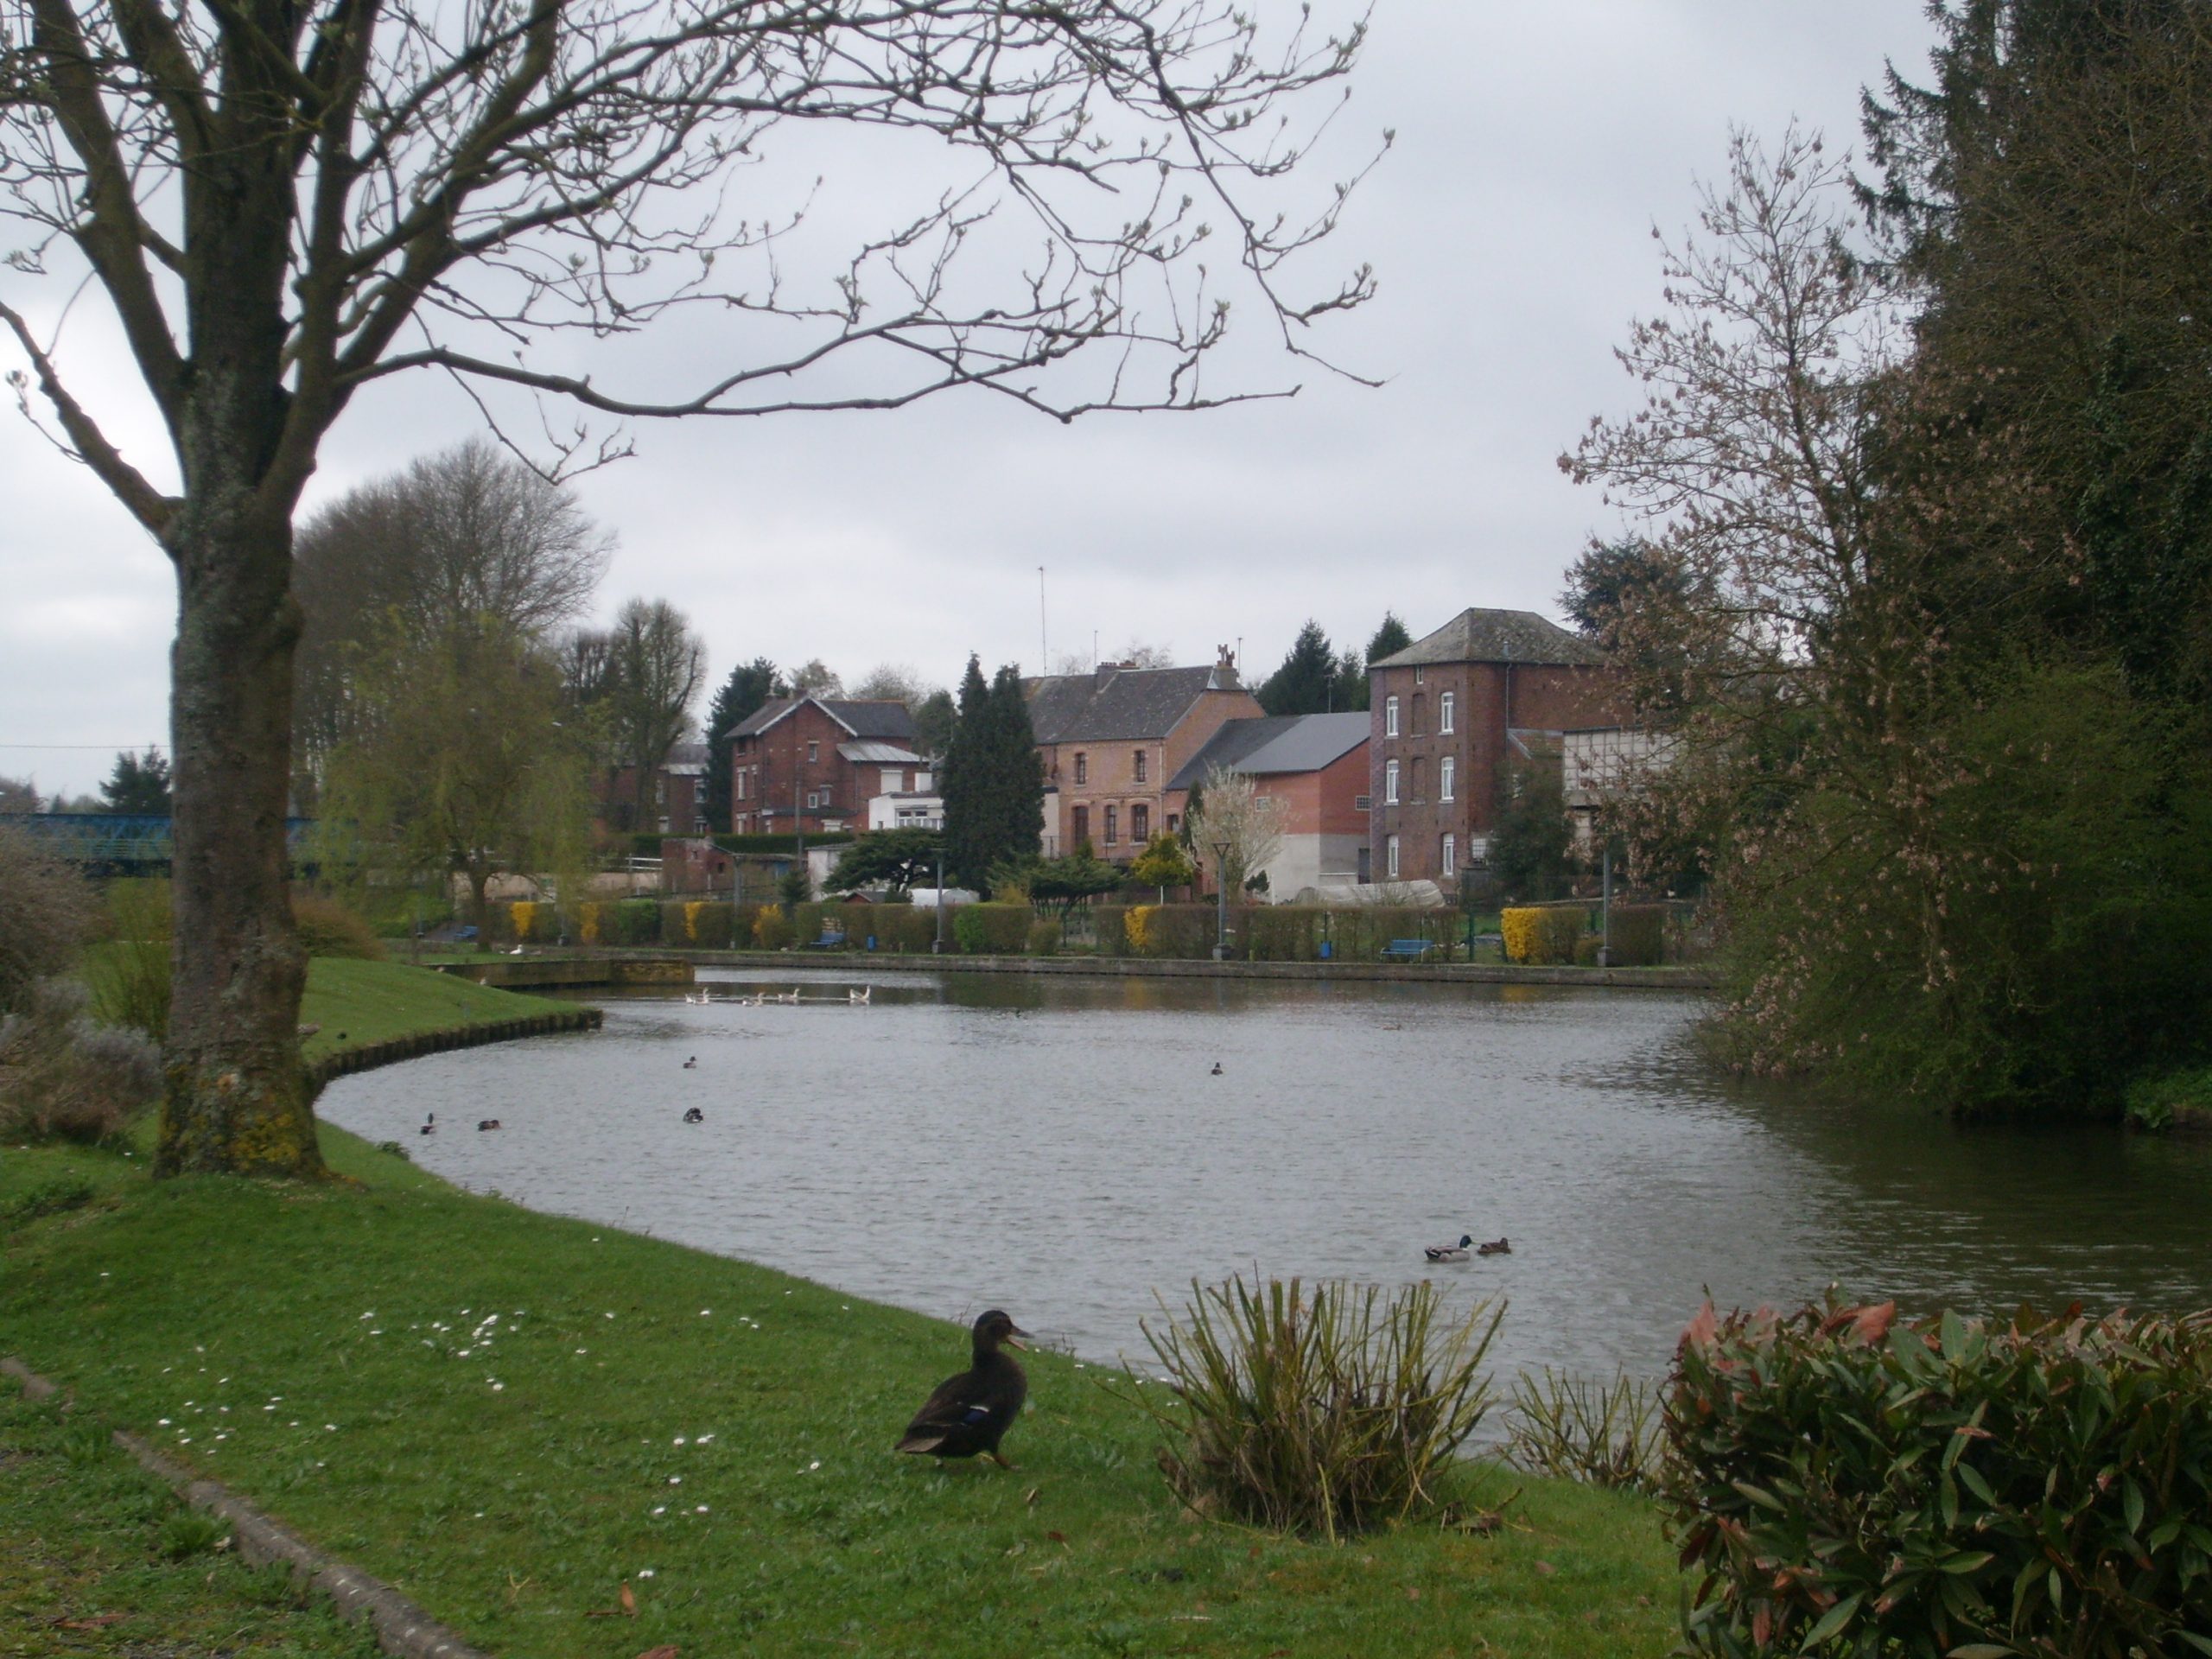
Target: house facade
x=1315, y=766
x=676, y=798
x=1113, y=740
x=814, y=764
x=1450, y=713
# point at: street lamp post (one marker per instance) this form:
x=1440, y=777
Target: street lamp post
x=937, y=945
x=1221, y=896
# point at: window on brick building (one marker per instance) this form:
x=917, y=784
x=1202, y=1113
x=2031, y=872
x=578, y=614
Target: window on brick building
x=1113, y=820
x=1447, y=776
x=813, y=750
x=1444, y=712
x=1079, y=825
x=1082, y=768
x=1140, y=766
x=1444, y=861
x=1390, y=857
x=1174, y=823
x=1389, y=716
x=1389, y=783
x=1139, y=822
x=741, y=794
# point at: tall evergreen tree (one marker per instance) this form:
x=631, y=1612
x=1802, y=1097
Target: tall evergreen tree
x=1017, y=772
x=964, y=783
x=139, y=784
x=1388, y=638
x=741, y=696
x=1307, y=682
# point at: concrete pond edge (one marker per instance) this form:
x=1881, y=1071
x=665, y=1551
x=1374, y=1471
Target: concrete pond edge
x=369, y=1056
x=402, y=1628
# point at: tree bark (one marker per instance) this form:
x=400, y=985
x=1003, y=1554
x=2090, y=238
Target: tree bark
x=236, y=1097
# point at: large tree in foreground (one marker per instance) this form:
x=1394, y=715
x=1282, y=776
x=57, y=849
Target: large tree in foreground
x=282, y=202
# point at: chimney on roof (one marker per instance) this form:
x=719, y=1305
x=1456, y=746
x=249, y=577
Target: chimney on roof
x=1223, y=677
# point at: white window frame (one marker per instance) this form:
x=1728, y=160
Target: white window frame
x=813, y=750
x=1389, y=783
x=1444, y=704
x=1450, y=865
x=741, y=794
x=1390, y=857
x=1447, y=776
x=1389, y=716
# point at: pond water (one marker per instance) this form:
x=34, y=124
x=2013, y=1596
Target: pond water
x=1063, y=1147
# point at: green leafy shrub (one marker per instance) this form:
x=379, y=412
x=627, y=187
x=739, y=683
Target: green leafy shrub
x=1840, y=1484
x=128, y=973
x=328, y=928
x=906, y=928
x=1639, y=935
x=632, y=921
x=1573, y=1428
x=1111, y=924
x=1324, y=1410
x=2161, y=1101
x=1283, y=932
x=992, y=929
x=1044, y=938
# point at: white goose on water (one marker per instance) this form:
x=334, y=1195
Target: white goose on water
x=858, y=998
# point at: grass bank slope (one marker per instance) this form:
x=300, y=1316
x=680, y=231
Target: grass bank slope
x=509, y=1416
x=357, y=1003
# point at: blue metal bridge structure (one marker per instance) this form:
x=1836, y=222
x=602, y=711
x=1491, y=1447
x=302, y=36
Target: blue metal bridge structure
x=117, y=843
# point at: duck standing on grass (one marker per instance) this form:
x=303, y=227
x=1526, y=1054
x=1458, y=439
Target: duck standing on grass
x=968, y=1413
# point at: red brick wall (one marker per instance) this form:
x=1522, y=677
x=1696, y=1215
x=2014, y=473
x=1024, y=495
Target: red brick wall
x=1110, y=773
x=772, y=760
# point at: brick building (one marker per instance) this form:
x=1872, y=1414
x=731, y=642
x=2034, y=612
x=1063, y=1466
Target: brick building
x=1448, y=713
x=1316, y=766
x=1112, y=740
x=817, y=762
x=676, y=800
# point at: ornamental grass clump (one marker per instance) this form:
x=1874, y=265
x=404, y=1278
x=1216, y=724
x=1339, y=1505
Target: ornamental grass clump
x=1323, y=1409
x=1840, y=1484
x=1575, y=1428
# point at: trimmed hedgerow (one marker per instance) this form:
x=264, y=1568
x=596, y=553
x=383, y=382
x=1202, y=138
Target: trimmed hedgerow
x=630, y=921
x=1044, y=938
x=1638, y=934
x=992, y=929
x=1840, y=1484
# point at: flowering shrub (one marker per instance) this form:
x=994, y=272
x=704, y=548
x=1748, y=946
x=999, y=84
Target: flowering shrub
x=692, y=910
x=1136, y=925
x=521, y=915
x=1840, y=1484
x=588, y=922
x=771, y=929
x=1536, y=935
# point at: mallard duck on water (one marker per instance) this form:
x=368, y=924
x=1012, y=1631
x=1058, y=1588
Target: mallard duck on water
x=1449, y=1252
x=1496, y=1246
x=968, y=1413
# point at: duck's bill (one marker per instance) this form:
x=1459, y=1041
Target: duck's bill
x=1017, y=1332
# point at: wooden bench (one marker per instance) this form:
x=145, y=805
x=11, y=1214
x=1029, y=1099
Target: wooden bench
x=1407, y=949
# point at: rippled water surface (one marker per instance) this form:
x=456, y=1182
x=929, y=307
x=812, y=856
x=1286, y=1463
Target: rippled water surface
x=1061, y=1146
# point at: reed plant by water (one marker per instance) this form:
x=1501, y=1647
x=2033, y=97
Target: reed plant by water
x=1323, y=1409
x=1578, y=1428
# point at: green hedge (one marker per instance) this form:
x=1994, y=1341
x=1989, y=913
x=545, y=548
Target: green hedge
x=992, y=929
x=1111, y=924
x=630, y=921
x=1637, y=935
x=1276, y=932
x=1840, y=1486
x=1044, y=938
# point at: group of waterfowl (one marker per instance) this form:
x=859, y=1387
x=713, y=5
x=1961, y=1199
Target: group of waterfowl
x=429, y=1124
x=1466, y=1248
x=858, y=998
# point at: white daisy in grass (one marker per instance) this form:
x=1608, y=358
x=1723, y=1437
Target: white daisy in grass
x=702, y=1510
x=645, y=1573
x=706, y=1312
x=815, y=1465
x=679, y=1440
x=660, y=1509
x=676, y=1480
x=704, y=1438
x=161, y=1422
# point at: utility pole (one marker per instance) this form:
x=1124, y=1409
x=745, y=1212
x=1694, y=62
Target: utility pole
x=1044, y=652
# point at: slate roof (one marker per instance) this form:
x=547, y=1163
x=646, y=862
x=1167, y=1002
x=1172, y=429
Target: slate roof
x=1131, y=704
x=685, y=758
x=863, y=718
x=1480, y=636
x=1276, y=744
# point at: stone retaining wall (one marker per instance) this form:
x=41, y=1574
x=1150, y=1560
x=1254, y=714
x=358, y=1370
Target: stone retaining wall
x=367, y=1056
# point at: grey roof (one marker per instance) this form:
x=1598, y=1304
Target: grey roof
x=861, y=717
x=1277, y=744
x=1480, y=636
x=1118, y=703
x=691, y=757
x=877, y=754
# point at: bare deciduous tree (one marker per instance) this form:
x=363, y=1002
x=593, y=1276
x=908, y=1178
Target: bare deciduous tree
x=469, y=534
x=1232, y=811
x=284, y=201
x=656, y=665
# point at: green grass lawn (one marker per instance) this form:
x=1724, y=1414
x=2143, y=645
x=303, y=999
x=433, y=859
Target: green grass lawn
x=509, y=1416
x=374, y=1001
x=99, y=1557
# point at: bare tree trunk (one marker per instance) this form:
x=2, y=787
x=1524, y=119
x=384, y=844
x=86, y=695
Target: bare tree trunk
x=236, y=1099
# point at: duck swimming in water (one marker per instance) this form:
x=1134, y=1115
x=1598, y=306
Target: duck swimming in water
x=483, y=1123
x=429, y=1124
x=1216, y=1070
x=1449, y=1252
x=968, y=1413
x=692, y=1064
x=695, y=1116
x=1496, y=1246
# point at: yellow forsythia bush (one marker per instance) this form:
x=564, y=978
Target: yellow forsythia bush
x=691, y=912
x=1541, y=936
x=587, y=915
x=523, y=913
x=1137, y=925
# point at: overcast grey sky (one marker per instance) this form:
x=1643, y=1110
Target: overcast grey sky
x=1510, y=231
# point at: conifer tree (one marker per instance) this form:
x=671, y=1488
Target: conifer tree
x=741, y=696
x=1017, y=771
x=1307, y=682
x=964, y=783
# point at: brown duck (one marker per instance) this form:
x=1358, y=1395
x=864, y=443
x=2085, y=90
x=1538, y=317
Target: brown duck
x=968, y=1413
